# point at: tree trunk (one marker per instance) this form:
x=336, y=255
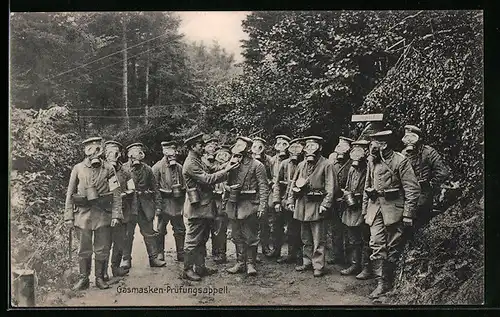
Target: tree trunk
x=146, y=111
x=125, y=76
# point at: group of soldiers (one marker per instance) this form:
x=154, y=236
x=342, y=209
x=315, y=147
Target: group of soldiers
x=350, y=208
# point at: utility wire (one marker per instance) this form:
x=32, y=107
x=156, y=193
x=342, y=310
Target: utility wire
x=101, y=58
x=135, y=108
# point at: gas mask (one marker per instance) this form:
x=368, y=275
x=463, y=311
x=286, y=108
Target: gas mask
x=342, y=149
x=170, y=154
x=222, y=156
x=238, y=150
x=281, y=146
x=136, y=155
x=257, y=149
x=93, y=151
x=376, y=148
x=210, y=149
x=295, y=150
x=312, y=149
x=357, y=155
x=410, y=141
x=113, y=154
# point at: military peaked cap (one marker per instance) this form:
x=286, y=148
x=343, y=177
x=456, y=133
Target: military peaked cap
x=138, y=144
x=193, y=139
x=282, y=136
x=313, y=138
x=93, y=139
x=260, y=139
x=169, y=143
x=296, y=140
x=361, y=142
x=211, y=139
x=346, y=139
x=414, y=129
x=112, y=142
x=381, y=135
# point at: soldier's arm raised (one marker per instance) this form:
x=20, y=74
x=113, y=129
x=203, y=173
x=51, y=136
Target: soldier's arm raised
x=411, y=188
x=73, y=182
x=198, y=174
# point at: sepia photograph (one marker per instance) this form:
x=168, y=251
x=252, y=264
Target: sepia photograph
x=246, y=158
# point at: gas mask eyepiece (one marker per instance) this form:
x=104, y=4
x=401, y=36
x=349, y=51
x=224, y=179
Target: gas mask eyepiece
x=357, y=155
x=312, y=150
x=93, y=151
x=281, y=145
x=257, y=149
x=342, y=149
x=136, y=154
x=410, y=140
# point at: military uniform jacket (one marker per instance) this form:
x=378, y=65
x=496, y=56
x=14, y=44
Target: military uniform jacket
x=166, y=176
x=197, y=175
x=285, y=175
x=431, y=172
x=129, y=202
x=321, y=178
x=146, y=189
x=395, y=173
x=274, y=166
x=254, y=194
x=342, y=172
x=91, y=216
x=356, y=178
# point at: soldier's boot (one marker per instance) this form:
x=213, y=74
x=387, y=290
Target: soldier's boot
x=179, y=247
x=188, y=272
x=161, y=247
x=390, y=270
x=152, y=250
x=251, y=259
x=355, y=266
x=239, y=267
x=291, y=256
x=366, y=263
x=115, y=265
x=83, y=278
x=105, y=276
x=382, y=282
x=276, y=253
x=99, y=274
x=304, y=267
x=127, y=264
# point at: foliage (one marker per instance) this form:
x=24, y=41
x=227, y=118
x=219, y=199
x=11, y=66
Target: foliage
x=43, y=152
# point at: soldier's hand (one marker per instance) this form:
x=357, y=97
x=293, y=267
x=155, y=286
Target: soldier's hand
x=69, y=223
x=158, y=212
x=322, y=210
x=277, y=207
x=231, y=167
x=115, y=222
x=407, y=222
x=291, y=207
x=260, y=213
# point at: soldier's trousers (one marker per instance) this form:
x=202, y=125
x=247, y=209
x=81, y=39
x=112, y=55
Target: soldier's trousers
x=313, y=235
x=197, y=233
x=264, y=229
x=285, y=217
x=178, y=227
x=335, y=233
x=218, y=234
x=244, y=231
x=147, y=232
x=385, y=241
x=358, y=237
x=118, y=235
x=100, y=246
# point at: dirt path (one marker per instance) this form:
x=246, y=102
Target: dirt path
x=275, y=285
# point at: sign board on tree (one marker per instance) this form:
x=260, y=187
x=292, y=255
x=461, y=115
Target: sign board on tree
x=367, y=117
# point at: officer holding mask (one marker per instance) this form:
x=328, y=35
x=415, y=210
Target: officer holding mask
x=284, y=215
x=310, y=197
x=168, y=175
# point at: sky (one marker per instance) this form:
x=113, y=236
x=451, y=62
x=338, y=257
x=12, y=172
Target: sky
x=223, y=26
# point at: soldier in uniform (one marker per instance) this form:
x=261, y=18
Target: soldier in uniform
x=218, y=231
x=284, y=215
x=310, y=197
x=265, y=222
x=168, y=175
x=342, y=163
x=281, y=147
x=93, y=206
x=199, y=207
x=113, y=152
x=148, y=204
x=246, y=199
x=430, y=169
x=358, y=233
x=389, y=204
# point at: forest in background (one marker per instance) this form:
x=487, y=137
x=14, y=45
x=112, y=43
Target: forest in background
x=135, y=78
